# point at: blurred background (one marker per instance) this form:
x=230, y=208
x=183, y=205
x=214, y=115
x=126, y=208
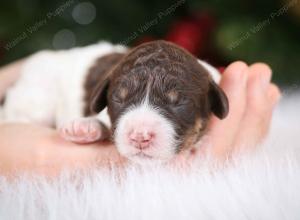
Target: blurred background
x=217, y=31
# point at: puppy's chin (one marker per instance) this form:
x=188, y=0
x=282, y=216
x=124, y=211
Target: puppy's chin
x=156, y=154
x=148, y=159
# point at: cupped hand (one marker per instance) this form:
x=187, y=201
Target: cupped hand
x=252, y=99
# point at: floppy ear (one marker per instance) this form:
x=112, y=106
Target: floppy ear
x=218, y=100
x=99, y=100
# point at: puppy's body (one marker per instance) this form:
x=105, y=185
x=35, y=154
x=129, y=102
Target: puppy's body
x=51, y=89
x=58, y=87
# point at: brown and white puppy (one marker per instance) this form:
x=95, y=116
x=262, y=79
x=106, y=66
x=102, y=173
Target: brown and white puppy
x=159, y=99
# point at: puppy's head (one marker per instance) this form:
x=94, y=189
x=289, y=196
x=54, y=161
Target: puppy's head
x=159, y=100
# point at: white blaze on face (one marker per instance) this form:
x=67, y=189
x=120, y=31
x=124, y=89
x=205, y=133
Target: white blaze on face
x=143, y=134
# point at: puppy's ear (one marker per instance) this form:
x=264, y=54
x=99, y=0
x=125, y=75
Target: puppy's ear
x=99, y=100
x=218, y=100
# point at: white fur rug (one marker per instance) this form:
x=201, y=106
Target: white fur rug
x=263, y=186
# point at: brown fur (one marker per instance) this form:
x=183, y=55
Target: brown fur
x=194, y=134
x=178, y=85
x=96, y=74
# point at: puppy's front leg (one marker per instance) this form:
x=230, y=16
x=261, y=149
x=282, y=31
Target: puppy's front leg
x=84, y=130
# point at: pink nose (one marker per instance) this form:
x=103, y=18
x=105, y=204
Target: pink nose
x=141, y=140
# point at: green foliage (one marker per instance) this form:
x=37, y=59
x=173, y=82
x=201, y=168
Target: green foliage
x=275, y=42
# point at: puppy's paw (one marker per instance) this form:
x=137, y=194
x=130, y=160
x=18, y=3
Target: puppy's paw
x=83, y=131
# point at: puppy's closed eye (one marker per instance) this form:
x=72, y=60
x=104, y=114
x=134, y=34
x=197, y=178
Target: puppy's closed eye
x=177, y=100
x=120, y=96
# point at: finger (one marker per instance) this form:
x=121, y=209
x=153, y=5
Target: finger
x=222, y=133
x=274, y=94
x=258, y=82
x=261, y=98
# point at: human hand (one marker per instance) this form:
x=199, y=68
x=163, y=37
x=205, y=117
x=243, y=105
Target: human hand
x=38, y=149
x=252, y=99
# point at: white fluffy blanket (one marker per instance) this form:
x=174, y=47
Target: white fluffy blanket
x=263, y=186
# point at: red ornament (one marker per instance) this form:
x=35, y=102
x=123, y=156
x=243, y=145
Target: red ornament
x=192, y=33
x=186, y=34
x=221, y=69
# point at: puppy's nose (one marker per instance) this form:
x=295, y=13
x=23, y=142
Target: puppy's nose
x=141, y=140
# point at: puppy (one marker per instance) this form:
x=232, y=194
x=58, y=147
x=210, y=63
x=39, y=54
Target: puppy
x=153, y=100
